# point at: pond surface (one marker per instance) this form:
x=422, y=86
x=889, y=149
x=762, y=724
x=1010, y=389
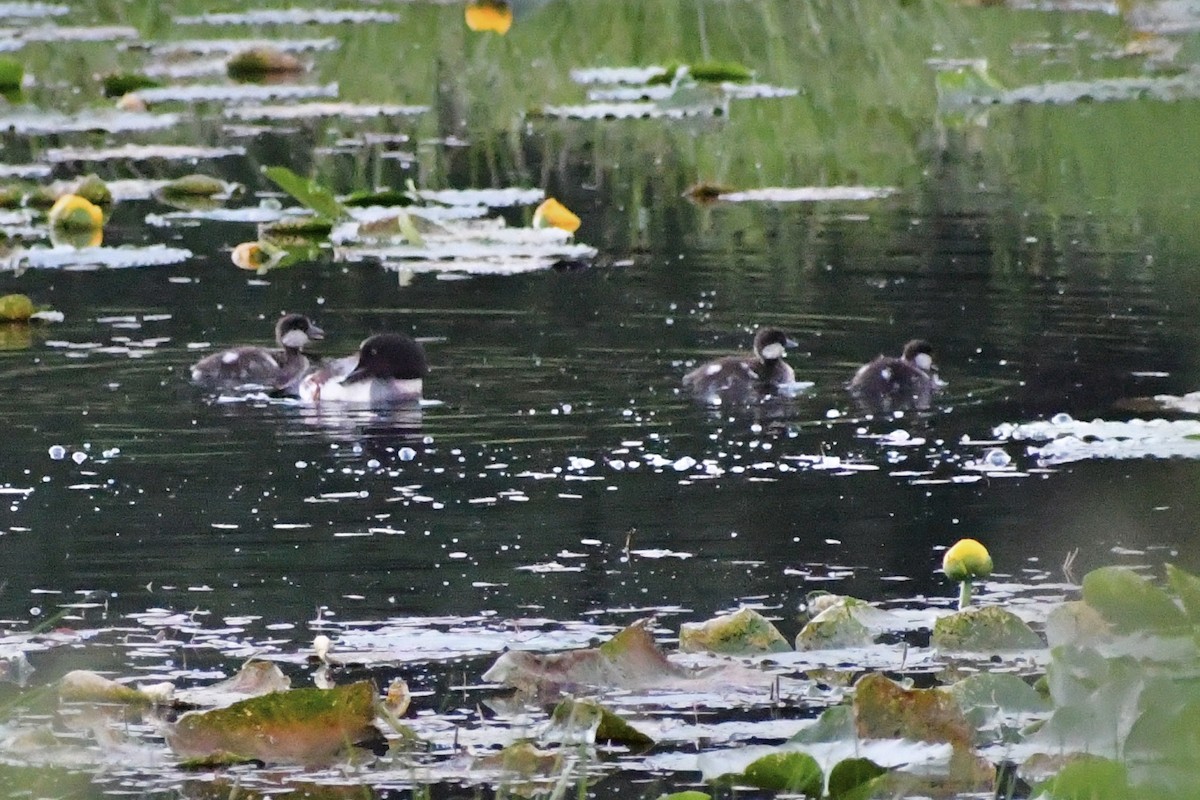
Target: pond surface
x=557, y=479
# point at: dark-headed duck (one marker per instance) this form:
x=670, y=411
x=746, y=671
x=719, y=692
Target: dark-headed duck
x=388, y=369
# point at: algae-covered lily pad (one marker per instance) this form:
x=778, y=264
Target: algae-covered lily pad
x=984, y=629
x=259, y=61
x=306, y=726
x=843, y=622
x=743, y=632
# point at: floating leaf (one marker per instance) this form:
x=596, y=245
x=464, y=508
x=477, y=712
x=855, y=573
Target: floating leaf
x=85, y=686
x=743, y=632
x=307, y=726
x=258, y=62
x=195, y=185
x=837, y=626
x=854, y=779
x=588, y=721
x=1187, y=587
x=795, y=773
x=1089, y=778
x=885, y=710
x=120, y=84
x=630, y=659
x=836, y=724
x=704, y=72
x=93, y=189
x=985, y=629
x=378, y=197
x=12, y=73
x=1130, y=602
x=298, y=227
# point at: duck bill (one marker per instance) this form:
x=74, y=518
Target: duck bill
x=314, y=332
x=356, y=374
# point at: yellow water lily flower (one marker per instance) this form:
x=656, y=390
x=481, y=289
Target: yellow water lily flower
x=258, y=256
x=495, y=16
x=552, y=213
x=73, y=212
x=966, y=560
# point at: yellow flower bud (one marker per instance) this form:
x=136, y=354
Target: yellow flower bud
x=489, y=15
x=15, y=308
x=552, y=213
x=967, y=560
x=76, y=213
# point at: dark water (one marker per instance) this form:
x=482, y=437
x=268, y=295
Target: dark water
x=279, y=509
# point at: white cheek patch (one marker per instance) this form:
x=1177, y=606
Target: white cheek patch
x=885, y=373
x=229, y=357
x=713, y=369
x=923, y=361
x=294, y=339
x=773, y=351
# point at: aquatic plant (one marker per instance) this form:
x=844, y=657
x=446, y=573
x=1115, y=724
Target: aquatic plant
x=964, y=562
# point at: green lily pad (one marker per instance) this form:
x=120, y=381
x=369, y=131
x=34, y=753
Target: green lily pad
x=1130, y=602
x=797, y=773
x=854, y=779
x=837, y=626
x=120, y=84
x=1089, y=778
x=12, y=73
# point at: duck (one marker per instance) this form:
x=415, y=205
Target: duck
x=276, y=370
x=888, y=383
x=743, y=379
x=388, y=369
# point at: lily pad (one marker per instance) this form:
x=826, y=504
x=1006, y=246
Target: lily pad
x=743, y=632
x=984, y=629
x=1130, y=602
x=629, y=660
x=885, y=710
x=588, y=721
x=306, y=726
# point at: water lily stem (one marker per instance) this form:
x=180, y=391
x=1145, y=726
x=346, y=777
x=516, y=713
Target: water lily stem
x=964, y=594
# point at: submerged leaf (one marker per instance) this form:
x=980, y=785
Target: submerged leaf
x=83, y=685
x=741, y=633
x=306, y=726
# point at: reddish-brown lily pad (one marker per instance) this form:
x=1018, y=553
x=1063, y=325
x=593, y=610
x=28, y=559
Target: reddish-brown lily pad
x=305, y=726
